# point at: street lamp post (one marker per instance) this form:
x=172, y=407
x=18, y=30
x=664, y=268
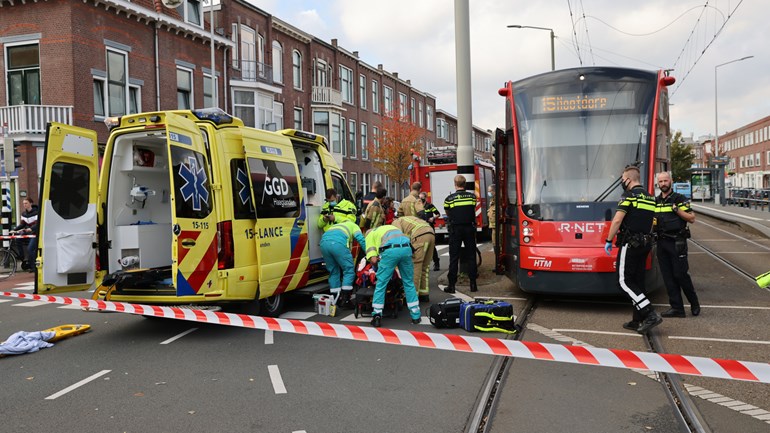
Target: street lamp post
x=717, y=151
x=553, y=58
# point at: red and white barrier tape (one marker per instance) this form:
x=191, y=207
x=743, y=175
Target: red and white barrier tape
x=662, y=362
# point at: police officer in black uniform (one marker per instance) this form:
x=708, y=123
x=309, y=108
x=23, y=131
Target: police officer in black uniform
x=673, y=212
x=633, y=222
x=429, y=213
x=460, y=207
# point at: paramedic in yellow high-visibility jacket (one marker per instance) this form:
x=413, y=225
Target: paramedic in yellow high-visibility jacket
x=388, y=248
x=335, y=211
x=336, y=244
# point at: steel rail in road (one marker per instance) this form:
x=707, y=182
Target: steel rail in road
x=489, y=397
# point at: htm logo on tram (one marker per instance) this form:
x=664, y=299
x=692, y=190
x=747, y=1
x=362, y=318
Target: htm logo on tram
x=540, y=262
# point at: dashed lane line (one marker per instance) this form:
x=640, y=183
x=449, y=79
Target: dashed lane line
x=77, y=385
x=178, y=336
x=275, y=377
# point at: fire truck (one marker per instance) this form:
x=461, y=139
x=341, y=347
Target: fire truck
x=437, y=179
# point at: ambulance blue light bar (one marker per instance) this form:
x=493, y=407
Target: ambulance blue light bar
x=216, y=115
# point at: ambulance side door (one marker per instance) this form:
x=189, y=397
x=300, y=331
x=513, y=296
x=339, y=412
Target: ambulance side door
x=280, y=231
x=68, y=210
x=193, y=220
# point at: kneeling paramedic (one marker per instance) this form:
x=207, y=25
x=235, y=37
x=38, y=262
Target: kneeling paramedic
x=423, y=240
x=391, y=248
x=633, y=221
x=336, y=245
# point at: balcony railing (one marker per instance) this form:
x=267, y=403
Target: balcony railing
x=32, y=119
x=327, y=96
x=248, y=70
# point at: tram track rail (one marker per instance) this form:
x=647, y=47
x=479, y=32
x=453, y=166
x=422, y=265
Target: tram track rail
x=489, y=397
x=713, y=254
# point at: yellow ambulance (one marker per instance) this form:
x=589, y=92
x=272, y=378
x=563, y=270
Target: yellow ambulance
x=184, y=208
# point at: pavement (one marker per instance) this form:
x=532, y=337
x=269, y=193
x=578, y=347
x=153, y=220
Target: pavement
x=488, y=283
x=756, y=219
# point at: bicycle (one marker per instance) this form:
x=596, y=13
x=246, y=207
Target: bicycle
x=10, y=257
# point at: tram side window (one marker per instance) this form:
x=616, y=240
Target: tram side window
x=663, y=135
x=511, y=168
x=69, y=189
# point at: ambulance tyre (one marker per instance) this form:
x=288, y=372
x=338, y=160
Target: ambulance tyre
x=273, y=306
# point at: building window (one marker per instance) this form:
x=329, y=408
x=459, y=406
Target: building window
x=321, y=73
x=298, y=118
x=192, y=12
x=134, y=99
x=209, y=91
x=365, y=181
x=352, y=138
x=353, y=182
x=98, y=97
x=362, y=90
x=344, y=136
x=23, y=74
x=376, y=142
x=442, y=130
x=402, y=106
x=375, y=96
x=429, y=120
x=278, y=115
x=296, y=67
x=277, y=62
x=419, y=114
x=255, y=109
x=117, y=82
x=248, y=53
x=184, y=89
x=364, y=141
x=411, y=111
x=388, y=94
x=346, y=84
x=328, y=125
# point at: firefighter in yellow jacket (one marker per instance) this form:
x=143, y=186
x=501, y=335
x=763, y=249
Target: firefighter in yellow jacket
x=423, y=240
x=335, y=211
x=388, y=248
x=411, y=205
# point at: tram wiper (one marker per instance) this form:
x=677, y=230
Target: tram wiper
x=540, y=200
x=614, y=185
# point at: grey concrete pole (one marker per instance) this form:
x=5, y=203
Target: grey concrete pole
x=464, y=105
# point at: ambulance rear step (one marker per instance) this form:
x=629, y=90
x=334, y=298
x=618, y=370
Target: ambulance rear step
x=313, y=289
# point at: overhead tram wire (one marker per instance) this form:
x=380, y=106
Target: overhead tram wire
x=654, y=31
x=574, y=33
x=588, y=37
x=718, y=32
x=571, y=49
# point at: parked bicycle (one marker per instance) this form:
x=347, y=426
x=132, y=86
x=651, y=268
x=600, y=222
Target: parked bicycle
x=12, y=255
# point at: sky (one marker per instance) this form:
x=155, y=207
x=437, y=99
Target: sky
x=416, y=38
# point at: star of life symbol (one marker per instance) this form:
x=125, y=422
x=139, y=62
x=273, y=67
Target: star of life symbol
x=243, y=179
x=195, y=179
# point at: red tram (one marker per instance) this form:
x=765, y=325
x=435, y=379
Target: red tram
x=568, y=135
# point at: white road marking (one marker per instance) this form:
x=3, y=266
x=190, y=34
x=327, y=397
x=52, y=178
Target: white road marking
x=77, y=385
x=31, y=304
x=269, y=336
x=721, y=340
x=726, y=252
x=591, y=331
x=5, y=300
x=299, y=315
x=176, y=337
x=275, y=377
x=70, y=307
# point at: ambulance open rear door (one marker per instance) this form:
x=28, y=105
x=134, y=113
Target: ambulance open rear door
x=68, y=210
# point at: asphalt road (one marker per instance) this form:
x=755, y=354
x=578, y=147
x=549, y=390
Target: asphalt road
x=136, y=374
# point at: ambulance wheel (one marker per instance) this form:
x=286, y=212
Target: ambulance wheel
x=273, y=306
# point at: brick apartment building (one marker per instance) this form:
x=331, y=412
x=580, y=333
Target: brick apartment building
x=749, y=150
x=79, y=62
x=446, y=137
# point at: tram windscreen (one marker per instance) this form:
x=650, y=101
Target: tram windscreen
x=576, y=137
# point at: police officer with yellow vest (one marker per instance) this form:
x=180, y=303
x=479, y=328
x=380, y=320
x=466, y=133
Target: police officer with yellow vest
x=633, y=222
x=672, y=213
x=335, y=211
x=388, y=248
x=423, y=240
x=460, y=207
x=335, y=246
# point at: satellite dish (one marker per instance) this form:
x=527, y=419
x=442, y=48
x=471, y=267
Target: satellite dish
x=172, y=3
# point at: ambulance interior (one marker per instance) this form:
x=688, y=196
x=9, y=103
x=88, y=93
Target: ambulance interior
x=139, y=205
x=313, y=190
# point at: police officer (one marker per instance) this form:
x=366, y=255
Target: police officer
x=423, y=242
x=429, y=214
x=460, y=207
x=633, y=221
x=388, y=248
x=335, y=211
x=375, y=214
x=335, y=246
x=411, y=205
x=673, y=212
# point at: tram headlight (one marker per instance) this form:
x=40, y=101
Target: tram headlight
x=528, y=231
x=526, y=239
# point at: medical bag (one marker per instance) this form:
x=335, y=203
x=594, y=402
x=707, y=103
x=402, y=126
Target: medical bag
x=488, y=316
x=446, y=314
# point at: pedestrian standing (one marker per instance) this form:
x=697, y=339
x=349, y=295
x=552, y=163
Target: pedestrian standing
x=430, y=213
x=411, y=205
x=460, y=207
x=423, y=241
x=632, y=223
x=673, y=212
x=27, y=247
x=389, y=248
x=336, y=244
